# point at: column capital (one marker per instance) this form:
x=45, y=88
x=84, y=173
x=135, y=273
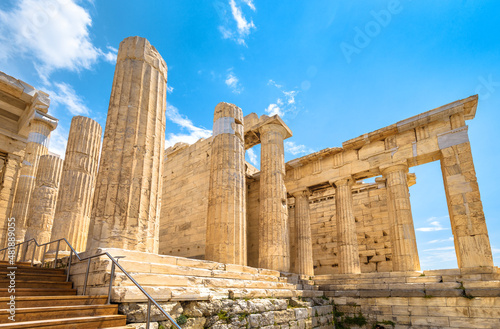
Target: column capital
x=301, y=191
x=45, y=118
x=342, y=181
x=400, y=166
x=272, y=127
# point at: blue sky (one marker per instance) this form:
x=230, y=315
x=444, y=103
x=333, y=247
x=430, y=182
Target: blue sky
x=332, y=69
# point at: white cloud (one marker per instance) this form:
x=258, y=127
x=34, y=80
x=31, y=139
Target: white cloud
x=434, y=225
x=170, y=89
x=250, y=4
x=295, y=149
x=233, y=82
x=66, y=96
x=441, y=240
x=252, y=156
x=54, y=34
x=281, y=107
x=194, y=133
x=58, y=141
x=273, y=109
x=441, y=248
x=243, y=26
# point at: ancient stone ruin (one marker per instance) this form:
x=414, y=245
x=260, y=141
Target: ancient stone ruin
x=220, y=244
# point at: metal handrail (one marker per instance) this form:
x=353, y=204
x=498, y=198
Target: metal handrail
x=89, y=259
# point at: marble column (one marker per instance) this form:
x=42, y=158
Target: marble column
x=304, y=261
x=472, y=243
x=43, y=200
x=40, y=127
x=347, y=239
x=72, y=217
x=403, y=240
x=126, y=208
x=274, y=250
x=226, y=219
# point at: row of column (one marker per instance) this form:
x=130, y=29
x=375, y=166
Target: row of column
x=124, y=210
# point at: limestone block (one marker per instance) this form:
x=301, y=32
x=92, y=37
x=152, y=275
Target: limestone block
x=129, y=182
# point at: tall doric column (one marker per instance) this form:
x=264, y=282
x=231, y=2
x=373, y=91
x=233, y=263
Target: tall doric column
x=38, y=141
x=273, y=224
x=226, y=220
x=72, y=217
x=404, y=242
x=43, y=199
x=126, y=206
x=304, y=261
x=472, y=244
x=347, y=239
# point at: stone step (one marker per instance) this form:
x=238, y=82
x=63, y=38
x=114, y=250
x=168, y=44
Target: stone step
x=35, y=276
x=36, y=284
x=144, y=257
x=58, y=312
x=37, y=292
x=43, y=301
x=94, y=322
x=29, y=269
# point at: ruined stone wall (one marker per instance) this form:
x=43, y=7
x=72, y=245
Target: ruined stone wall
x=372, y=225
x=186, y=174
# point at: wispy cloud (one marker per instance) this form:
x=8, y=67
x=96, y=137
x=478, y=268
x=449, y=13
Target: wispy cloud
x=233, y=82
x=252, y=156
x=193, y=133
x=58, y=141
x=65, y=96
x=441, y=240
x=434, y=225
x=54, y=34
x=296, y=149
x=170, y=89
x=243, y=26
x=284, y=103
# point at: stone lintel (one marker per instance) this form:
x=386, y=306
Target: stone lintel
x=253, y=125
x=295, y=163
x=468, y=106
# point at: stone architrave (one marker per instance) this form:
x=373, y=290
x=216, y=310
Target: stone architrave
x=43, y=200
x=226, y=220
x=404, y=242
x=41, y=126
x=126, y=208
x=347, y=239
x=274, y=247
x=472, y=244
x=304, y=261
x=72, y=217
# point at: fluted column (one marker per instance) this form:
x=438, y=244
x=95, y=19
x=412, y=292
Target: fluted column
x=38, y=141
x=273, y=224
x=72, y=217
x=347, y=239
x=304, y=262
x=404, y=242
x=468, y=224
x=226, y=220
x=126, y=206
x=43, y=199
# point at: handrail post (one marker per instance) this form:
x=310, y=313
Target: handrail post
x=57, y=253
x=69, y=264
x=17, y=251
x=33, y=255
x=111, y=281
x=86, y=277
x=44, y=252
x=149, y=313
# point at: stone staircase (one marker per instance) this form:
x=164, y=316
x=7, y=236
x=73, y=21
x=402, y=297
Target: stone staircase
x=478, y=281
x=43, y=299
x=170, y=278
